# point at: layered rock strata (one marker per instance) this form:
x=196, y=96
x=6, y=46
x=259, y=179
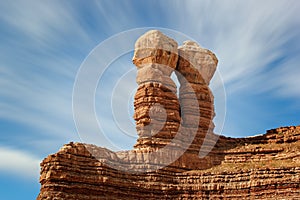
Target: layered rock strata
x=195, y=69
x=156, y=104
x=177, y=129
x=261, y=167
x=168, y=160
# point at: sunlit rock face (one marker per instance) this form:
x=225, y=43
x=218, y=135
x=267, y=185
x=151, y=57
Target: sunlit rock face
x=156, y=57
x=156, y=105
x=200, y=62
x=195, y=68
x=261, y=167
x=155, y=47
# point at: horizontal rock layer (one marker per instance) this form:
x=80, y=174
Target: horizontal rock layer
x=261, y=167
x=156, y=106
x=160, y=115
x=194, y=71
x=177, y=155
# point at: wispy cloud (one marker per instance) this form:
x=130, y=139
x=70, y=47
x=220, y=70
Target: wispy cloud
x=43, y=44
x=255, y=44
x=286, y=80
x=42, y=50
x=19, y=162
x=51, y=22
x=246, y=36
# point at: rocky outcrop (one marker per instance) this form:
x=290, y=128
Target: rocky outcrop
x=261, y=167
x=177, y=155
x=165, y=121
x=172, y=129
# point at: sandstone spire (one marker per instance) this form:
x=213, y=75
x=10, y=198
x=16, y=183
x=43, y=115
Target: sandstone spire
x=158, y=114
x=156, y=104
x=195, y=68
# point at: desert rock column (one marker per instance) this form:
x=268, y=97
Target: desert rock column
x=156, y=104
x=196, y=66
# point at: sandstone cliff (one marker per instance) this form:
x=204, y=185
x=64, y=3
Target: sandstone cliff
x=177, y=155
x=262, y=167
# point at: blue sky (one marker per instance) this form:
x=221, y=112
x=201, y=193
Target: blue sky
x=43, y=44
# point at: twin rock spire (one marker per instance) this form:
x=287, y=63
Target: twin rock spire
x=160, y=115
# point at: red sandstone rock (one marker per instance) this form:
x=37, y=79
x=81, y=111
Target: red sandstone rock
x=195, y=69
x=156, y=105
x=249, y=168
x=155, y=47
x=195, y=59
x=165, y=162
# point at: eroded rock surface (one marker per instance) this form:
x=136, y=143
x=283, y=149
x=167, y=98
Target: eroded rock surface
x=195, y=68
x=261, y=167
x=156, y=105
x=168, y=160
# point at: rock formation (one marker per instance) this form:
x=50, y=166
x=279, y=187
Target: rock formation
x=156, y=104
x=173, y=131
x=195, y=69
x=261, y=167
